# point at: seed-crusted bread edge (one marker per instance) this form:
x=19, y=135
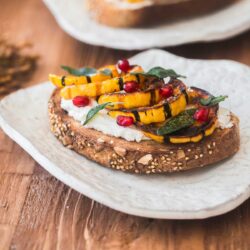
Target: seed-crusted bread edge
x=146, y=157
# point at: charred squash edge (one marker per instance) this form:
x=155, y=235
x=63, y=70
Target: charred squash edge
x=208, y=130
x=99, y=88
x=131, y=100
x=156, y=113
x=194, y=94
x=148, y=97
x=159, y=112
x=69, y=80
x=62, y=81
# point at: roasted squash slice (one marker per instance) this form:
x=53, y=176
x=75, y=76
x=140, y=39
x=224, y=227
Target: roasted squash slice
x=196, y=132
x=62, y=81
x=131, y=100
x=195, y=94
x=157, y=113
x=186, y=136
x=147, y=114
x=99, y=88
x=149, y=97
x=135, y=68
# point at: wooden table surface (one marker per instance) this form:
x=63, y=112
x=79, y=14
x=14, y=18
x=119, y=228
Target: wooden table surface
x=39, y=212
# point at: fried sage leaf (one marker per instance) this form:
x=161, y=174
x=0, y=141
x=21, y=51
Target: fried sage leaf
x=211, y=101
x=85, y=71
x=183, y=120
x=161, y=73
x=92, y=112
x=205, y=101
x=95, y=110
x=106, y=72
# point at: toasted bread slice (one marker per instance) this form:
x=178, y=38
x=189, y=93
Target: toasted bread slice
x=115, y=14
x=144, y=157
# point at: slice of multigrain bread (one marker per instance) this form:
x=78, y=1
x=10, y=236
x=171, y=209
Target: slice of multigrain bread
x=144, y=157
x=114, y=13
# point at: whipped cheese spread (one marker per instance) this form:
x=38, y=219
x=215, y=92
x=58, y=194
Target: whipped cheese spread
x=104, y=123
x=224, y=118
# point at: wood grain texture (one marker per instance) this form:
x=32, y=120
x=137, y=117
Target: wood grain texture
x=39, y=212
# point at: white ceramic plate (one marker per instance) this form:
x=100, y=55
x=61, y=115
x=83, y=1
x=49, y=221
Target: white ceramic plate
x=73, y=18
x=196, y=194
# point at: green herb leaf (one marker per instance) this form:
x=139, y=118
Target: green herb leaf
x=106, y=72
x=183, y=120
x=211, y=101
x=163, y=73
x=190, y=112
x=79, y=72
x=95, y=110
x=205, y=101
x=160, y=72
x=85, y=71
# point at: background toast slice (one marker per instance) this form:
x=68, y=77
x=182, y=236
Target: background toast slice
x=112, y=14
x=144, y=157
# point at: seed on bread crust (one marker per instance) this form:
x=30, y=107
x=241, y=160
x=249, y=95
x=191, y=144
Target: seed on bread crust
x=180, y=154
x=145, y=159
x=120, y=151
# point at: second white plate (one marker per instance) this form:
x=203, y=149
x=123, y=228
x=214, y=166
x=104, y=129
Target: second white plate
x=73, y=19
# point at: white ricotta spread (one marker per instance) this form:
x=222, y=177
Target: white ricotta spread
x=104, y=123
x=224, y=118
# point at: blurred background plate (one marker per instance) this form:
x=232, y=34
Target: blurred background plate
x=73, y=19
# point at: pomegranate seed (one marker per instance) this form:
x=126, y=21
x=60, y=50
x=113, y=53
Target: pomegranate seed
x=131, y=86
x=81, y=101
x=124, y=121
x=201, y=115
x=123, y=65
x=166, y=91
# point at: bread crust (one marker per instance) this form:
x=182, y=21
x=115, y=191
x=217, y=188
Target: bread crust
x=145, y=157
x=109, y=14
